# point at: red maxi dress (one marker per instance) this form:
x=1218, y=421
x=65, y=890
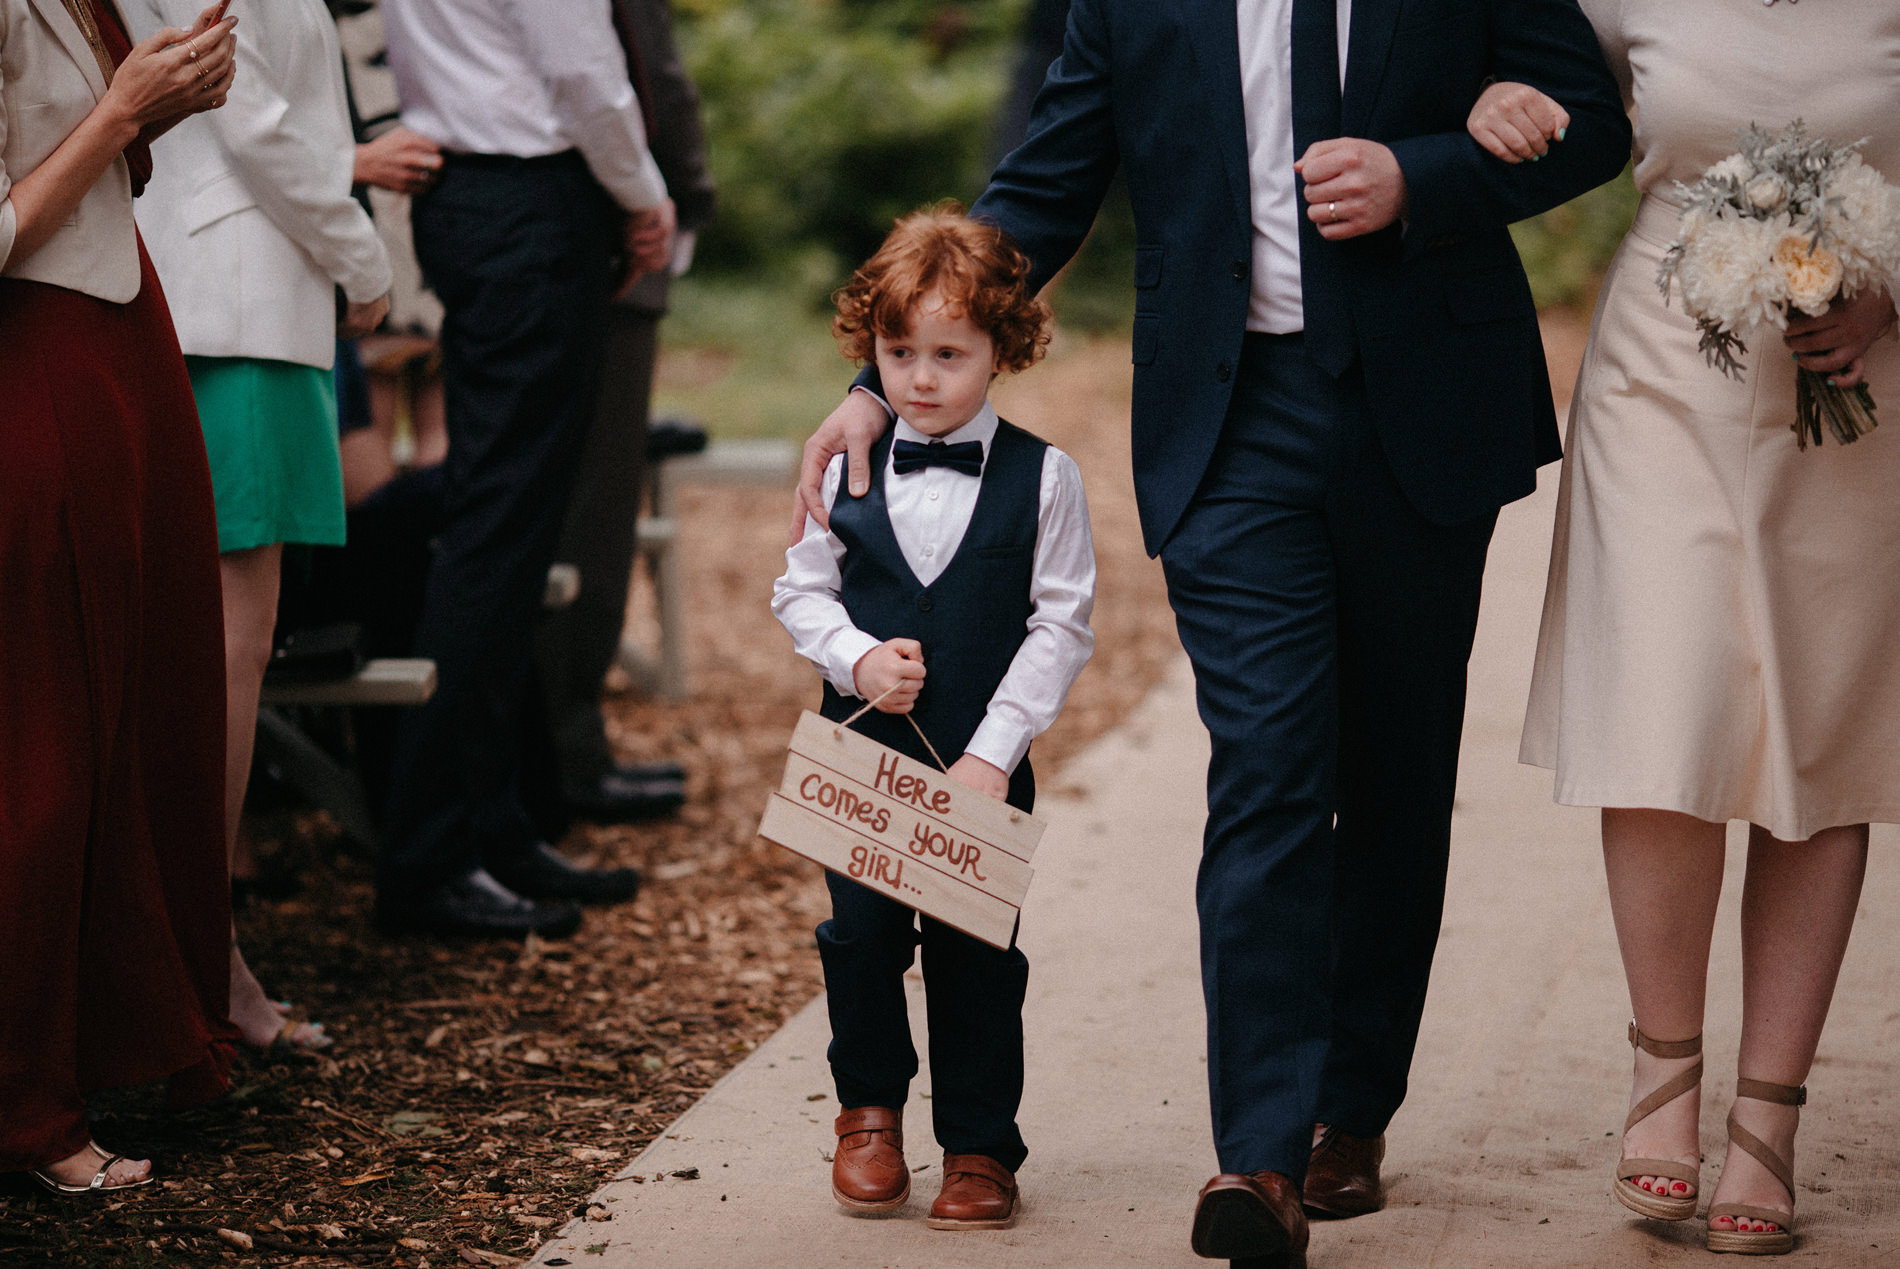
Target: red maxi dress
x=114, y=902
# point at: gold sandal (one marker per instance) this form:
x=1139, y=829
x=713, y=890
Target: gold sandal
x=1741, y=1241
x=1643, y=1202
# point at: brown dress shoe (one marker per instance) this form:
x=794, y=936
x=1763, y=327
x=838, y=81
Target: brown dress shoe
x=1251, y=1219
x=1342, y=1178
x=867, y=1171
x=978, y=1193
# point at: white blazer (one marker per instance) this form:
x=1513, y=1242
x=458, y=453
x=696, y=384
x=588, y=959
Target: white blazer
x=248, y=216
x=49, y=83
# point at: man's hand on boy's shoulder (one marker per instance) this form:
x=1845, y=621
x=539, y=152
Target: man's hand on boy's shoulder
x=895, y=666
x=984, y=777
x=851, y=429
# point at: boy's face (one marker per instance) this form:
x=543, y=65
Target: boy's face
x=937, y=374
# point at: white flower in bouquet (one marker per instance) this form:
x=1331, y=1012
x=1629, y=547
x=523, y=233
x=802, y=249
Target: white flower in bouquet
x=1722, y=277
x=1768, y=192
x=1787, y=221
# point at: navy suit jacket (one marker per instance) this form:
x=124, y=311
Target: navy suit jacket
x=1441, y=314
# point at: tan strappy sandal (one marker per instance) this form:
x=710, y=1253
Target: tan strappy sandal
x=1643, y=1202
x=1740, y=1241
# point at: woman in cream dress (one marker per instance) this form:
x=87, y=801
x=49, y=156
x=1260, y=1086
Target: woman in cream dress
x=1717, y=640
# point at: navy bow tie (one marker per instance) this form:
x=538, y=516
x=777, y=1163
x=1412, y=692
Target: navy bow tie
x=964, y=456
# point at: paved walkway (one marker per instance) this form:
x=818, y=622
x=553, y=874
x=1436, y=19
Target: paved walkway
x=1501, y=1155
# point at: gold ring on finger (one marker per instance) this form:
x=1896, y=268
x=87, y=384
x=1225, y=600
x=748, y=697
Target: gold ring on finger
x=1332, y=212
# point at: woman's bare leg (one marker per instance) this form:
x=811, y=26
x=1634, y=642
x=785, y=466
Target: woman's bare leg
x=250, y=580
x=1665, y=875
x=1798, y=909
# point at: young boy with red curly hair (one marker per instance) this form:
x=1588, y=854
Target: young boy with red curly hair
x=957, y=590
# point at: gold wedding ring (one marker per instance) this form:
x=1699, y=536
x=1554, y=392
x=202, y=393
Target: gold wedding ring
x=1332, y=212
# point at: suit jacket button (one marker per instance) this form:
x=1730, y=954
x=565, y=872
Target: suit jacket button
x=1224, y=371
x=1239, y=270
x=924, y=603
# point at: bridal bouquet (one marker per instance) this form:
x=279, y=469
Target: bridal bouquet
x=1787, y=221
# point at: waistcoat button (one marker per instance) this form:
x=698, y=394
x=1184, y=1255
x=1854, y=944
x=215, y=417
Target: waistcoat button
x=924, y=603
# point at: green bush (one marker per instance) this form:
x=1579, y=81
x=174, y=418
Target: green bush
x=1566, y=249
x=827, y=119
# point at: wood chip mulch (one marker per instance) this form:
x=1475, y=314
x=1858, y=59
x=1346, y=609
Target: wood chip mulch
x=478, y=1093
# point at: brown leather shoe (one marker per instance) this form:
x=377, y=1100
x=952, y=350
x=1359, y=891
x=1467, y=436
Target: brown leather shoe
x=1342, y=1178
x=1252, y=1219
x=867, y=1171
x=978, y=1193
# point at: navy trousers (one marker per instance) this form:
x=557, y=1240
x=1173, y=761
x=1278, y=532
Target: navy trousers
x=519, y=253
x=1329, y=625
x=973, y=995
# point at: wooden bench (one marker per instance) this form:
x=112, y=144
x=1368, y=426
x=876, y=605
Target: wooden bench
x=750, y=462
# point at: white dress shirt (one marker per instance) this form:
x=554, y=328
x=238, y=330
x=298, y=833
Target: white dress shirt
x=1266, y=89
x=525, y=78
x=930, y=510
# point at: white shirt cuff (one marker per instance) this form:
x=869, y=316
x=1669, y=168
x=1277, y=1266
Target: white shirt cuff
x=842, y=657
x=999, y=744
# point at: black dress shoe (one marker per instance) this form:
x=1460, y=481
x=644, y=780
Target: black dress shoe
x=542, y=872
x=653, y=772
x=477, y=905
x=628, y=795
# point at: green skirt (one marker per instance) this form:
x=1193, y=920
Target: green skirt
x=271, y=435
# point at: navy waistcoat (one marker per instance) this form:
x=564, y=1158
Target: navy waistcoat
x=970, y=621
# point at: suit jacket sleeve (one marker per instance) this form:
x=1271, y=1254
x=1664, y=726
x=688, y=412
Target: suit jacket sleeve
x=1455, y=187
x=1046, y=192
x=679, y=137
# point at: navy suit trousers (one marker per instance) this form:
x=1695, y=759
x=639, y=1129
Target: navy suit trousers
x=1329, y=625
x=519, y=253
x=973, y=995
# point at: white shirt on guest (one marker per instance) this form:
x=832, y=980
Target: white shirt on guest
x=525, y=78
x=930, y=511
x=1266, y=90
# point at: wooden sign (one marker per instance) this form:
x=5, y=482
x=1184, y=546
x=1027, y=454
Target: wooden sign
x=903, y=829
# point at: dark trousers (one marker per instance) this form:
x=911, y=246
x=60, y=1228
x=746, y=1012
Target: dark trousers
x=578, y=644
x=1329, y=625
x=518, y=252
x=973, y=995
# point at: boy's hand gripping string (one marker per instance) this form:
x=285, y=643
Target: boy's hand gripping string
x=871, y=705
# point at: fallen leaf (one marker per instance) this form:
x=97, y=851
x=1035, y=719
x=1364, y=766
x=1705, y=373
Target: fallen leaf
x=415, y=1244
x=595, y=1212
x=329, y=1232
x=420, y=1123
x=686, y=1174
x=236, y=1237
x=592, y=1154
x=372, y=1175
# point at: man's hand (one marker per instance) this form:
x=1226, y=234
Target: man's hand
x=895, y=666
x=1353, y=187
x=647, y=244
x=1838, y=339
x=360, y=319
x=1515, y=122
x=851, y=429
x=399, y=160
x=984, y=777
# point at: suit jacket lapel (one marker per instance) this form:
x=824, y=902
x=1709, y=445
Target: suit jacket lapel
x=1216, y=36
x=73, y=40
x=1367, y=47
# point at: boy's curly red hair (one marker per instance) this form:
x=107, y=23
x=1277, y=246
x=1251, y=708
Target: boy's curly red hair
x=971, y=263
